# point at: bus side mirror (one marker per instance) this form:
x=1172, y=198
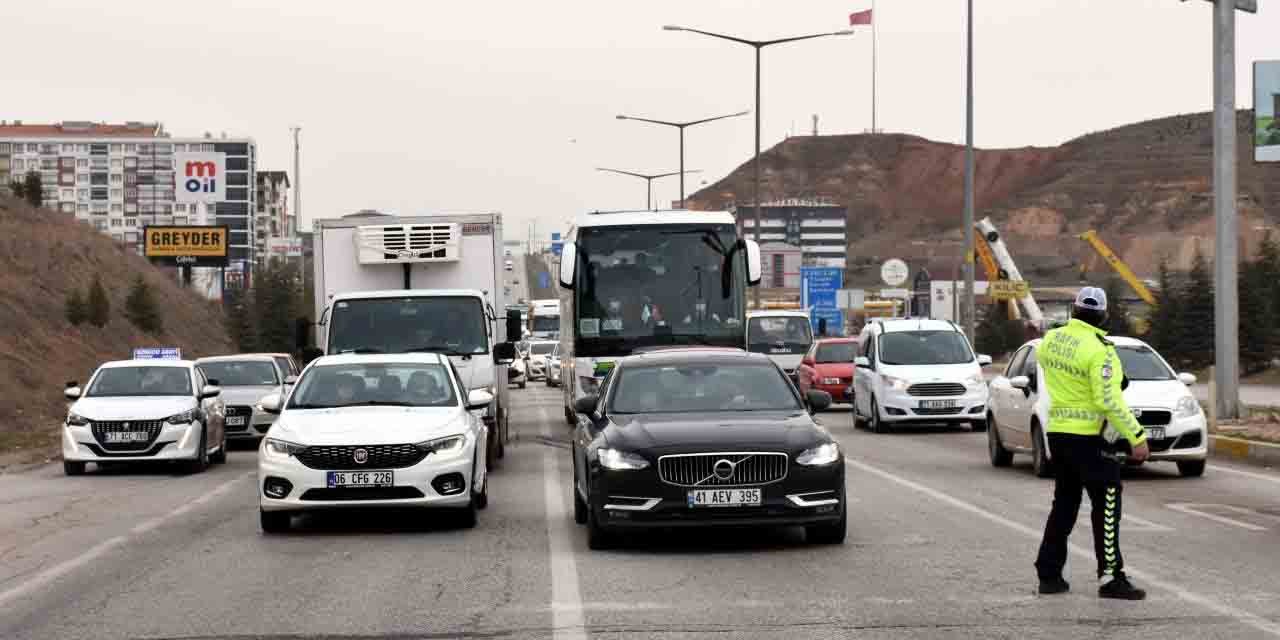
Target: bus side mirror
x=753, y=263
x=568, y=263
x=514, y=326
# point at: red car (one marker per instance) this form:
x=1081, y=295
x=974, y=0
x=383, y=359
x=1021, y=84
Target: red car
x=828, y=366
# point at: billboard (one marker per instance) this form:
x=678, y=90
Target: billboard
x=285, y=247
x=1266, y=111
x=186, y=246
x=201, y=177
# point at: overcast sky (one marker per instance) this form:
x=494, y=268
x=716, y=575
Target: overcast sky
x=426, y=106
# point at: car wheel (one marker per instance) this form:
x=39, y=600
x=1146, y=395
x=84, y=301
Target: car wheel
x=1000, y=456
x=877, y=425
x=598, y=537
x=482, y=499
x=1191, y=468
x=828, y=533
x=201, y=461
x=579, y=505
x=1040, y=462
x=570, y=417
x=468, y=516
x=73, y=468
x=221, y=456
x=523, y=384
x=273, y=521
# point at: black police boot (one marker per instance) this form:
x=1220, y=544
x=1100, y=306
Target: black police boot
x=1054, y=586
x=1120, y=588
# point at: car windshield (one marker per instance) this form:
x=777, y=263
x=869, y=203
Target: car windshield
x=141, y=381
x=542, y=348
x=392, y=384
x=837, y=352
x=546, y=323
x=284, y=365
x=779, y=333
x=924, y=347
x=702, y=387
x=454, y=325
x=1141, y=363
x=240, y=373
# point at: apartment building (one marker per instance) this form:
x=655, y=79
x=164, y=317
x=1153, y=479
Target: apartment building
x=120, y=177
x=275, y=217
x=817, y=227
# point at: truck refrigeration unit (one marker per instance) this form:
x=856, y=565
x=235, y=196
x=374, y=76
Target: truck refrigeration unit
x=429, y=283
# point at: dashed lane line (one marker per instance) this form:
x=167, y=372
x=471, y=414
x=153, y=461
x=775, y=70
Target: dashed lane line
x=566, y=598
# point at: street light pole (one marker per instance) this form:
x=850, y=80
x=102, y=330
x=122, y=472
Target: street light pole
x=648, y=178
x=969, y=309
x=682, y=126
x=758, y=45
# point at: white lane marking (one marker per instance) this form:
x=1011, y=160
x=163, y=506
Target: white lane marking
x=566, y=599
x=43, y=578
x=1247, y=474
x=1143, y=524
x=1220, y=608
x=1194, y=509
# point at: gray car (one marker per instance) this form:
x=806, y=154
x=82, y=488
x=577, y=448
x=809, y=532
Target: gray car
x=245, y=380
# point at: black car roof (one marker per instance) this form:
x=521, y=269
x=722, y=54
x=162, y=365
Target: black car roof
x=697, y=356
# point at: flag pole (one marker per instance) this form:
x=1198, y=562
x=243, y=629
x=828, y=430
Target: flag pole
x=874, y=20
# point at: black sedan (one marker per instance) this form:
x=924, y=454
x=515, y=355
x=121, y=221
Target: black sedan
x=702, y=437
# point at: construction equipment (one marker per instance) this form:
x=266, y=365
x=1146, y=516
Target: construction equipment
x=994, y=273
x=1005, y=263
x=1120, y=267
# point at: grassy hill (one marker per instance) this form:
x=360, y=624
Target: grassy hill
x=43, y=255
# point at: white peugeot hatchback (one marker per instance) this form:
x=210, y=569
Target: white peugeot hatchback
x=916, y=371
x=393, y=430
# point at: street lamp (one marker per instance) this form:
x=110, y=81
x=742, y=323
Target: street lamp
x=682, y=126
x=648, y=178
x=757, y=45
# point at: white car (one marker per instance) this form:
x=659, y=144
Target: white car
x=144, y=411
x=516, y=373
x=394, y=430
x=553, y=367
x=1177, y=430
x=917, y=371
x=244, y=380
x=538, y=352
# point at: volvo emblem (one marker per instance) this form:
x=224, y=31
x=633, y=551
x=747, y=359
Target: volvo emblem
x=723, y=469
x=361, y=456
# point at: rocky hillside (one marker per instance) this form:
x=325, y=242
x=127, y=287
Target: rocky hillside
x=43, y=255
x=1145, y=187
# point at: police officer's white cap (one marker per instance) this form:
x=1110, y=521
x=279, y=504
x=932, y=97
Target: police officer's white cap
x=1092, y=298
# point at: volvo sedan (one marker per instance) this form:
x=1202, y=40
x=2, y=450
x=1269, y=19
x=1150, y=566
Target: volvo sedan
x=704, y=438
x=374, y=430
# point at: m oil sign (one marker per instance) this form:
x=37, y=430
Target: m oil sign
x=201, y=177
x=198, y=246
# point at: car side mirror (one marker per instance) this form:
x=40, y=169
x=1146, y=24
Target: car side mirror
x=1020, y=382
x=210, y=391
x=290, y=380
x=754, y=270
x=72, y=391
x=817, y=400
x=478, y=399
x=271, y=403
x=504, y=352
x=984, y=360
x=862, y=361
x=514, y=326
x=586, y=404
x=1187, y=378
x=568, y=264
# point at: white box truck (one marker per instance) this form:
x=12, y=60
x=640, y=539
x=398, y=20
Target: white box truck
x=387, y=284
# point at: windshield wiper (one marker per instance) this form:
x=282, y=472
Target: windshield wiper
x=360, y=350
x=375, y=403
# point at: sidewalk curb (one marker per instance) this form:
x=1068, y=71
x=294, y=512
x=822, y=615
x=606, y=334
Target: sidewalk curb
x=1252, y=452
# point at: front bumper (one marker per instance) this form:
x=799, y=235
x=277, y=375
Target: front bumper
x=260, y=423
x=414, y=482
x=1185, y=439
x=536, y=370
x=839, y=392
x=175, y=442
x=639, y=499
x=898, y=406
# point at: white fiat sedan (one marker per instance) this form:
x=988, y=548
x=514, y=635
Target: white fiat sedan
x=393, y=430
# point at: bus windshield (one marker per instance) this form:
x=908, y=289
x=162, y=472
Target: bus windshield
x=639, y=286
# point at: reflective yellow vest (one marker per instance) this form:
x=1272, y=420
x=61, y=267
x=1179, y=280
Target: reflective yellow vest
x=1082, y=376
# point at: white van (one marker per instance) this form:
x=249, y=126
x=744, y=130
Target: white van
x=784, y=336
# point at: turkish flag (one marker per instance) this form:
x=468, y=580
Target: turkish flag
x=861, y=17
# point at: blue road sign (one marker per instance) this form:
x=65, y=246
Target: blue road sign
x=834, y=318
x=555, y=236
x=544, y=280
x=157, y=353
x=818, y=286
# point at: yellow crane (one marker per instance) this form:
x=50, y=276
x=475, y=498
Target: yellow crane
x=1120, y=267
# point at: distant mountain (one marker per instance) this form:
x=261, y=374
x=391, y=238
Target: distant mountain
x=1145, y=187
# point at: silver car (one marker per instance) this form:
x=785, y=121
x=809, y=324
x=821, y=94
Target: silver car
x=245, y=380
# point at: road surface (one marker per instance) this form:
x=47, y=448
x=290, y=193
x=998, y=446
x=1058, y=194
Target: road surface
x=515, y=279
x=940, y=546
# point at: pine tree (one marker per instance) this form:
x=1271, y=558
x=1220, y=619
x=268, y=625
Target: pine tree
x=1164, y=318
x=1196, y=326
x=77, y=311
x=1120, y=318
x=1257, y=317
x=1268, y=260
x=141, y=308
x=240, y=320
x=99, y=305
x=995, y=333
x=33, y=189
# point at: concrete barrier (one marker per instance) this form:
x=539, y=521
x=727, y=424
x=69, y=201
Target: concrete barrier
x=1240, y=450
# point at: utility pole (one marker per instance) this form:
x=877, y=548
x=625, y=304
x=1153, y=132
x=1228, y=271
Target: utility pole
x=1226, y=307
x=297, y=189
x=969, y=310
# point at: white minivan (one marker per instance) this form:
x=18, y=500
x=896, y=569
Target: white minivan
x=916, y=370
x=784, y=336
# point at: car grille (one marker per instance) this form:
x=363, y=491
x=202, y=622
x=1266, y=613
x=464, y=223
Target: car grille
x=381, y=456
x=369, y=493
x=1154, y=418
x=240, y=410
x=698, y=469
x=151, y=427
x=938, y=411
x=936, y=389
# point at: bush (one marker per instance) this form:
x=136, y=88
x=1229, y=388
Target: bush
x=141, y=309
x=77, y=311
x=996, y=334
x=99, y=306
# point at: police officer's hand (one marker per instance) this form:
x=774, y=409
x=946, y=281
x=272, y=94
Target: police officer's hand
x=1141, y=452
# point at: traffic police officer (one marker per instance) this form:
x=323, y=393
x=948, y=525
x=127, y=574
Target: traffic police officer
x=1082, y=375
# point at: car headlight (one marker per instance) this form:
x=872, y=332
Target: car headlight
x=975, y=380
x=616, y=460
x=282, y=447
x=182, y=418
x=446, y=447
x=898, y=384
x=831, y=381
x=76, y=420
x=819, y=455
x=590, y=386
x=1187, y=407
